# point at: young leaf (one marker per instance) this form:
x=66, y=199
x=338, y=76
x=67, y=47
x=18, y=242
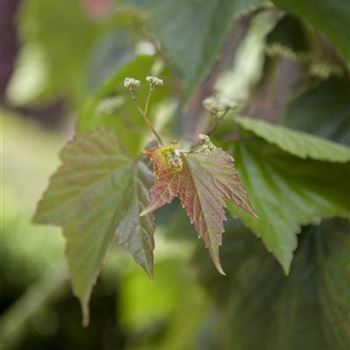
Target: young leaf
x=298, y=143
x=97, y=194
x=203, y=180
x=288, y=192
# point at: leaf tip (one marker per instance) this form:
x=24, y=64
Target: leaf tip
x=145, y=212
x=147, y=266
x=286, y=269
x=247, y=207
x=216, y=260
x=149, y=209
x=219, y=267
x=86, y=315
x=150, y=272
x=36, y=217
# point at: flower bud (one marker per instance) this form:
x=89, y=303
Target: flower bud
x=132, y=85
x=154, y=82
x=206, y=144
x=217, y=105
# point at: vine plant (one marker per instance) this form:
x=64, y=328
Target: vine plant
x=203, y=177
x=103, y=192
x=100, y=192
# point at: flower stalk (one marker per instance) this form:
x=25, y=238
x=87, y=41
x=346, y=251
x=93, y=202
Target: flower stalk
x=132, y=85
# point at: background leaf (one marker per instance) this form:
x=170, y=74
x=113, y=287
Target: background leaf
x=55, y=31
x=297, y=143
x=323, y=111
x=287, y=192
x=193, y=31
x=96, y=194
x=257, y=304
x=330, y=17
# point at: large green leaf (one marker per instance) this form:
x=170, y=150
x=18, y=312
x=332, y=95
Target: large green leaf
x=193, y=31
x=323, y=111
x=97, y=194
x=287, y=192
x=257, y=304
x=330, y=17
x=297, y=143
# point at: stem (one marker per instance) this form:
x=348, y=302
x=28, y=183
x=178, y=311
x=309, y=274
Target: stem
x=147, y=101
x=144, y=113
x=217, y=122
x=196, y=120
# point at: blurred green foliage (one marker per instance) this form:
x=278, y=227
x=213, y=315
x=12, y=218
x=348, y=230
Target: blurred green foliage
x=331, y=18
x=329, y=98
x=197, y=50
x=257, y=304
x=69, y=53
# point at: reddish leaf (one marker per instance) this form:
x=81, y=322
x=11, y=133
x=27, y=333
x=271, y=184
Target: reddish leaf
x=203, y=180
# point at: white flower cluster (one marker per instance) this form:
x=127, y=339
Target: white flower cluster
x=217, y=105
x=154, y=82
x=131, y=84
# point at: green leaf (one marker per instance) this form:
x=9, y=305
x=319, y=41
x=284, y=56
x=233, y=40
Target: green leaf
x=193, y=31
x=297, y=143
x=330, y=17
x=64, y=38
x=248, y=304
x=110, y=53
x=287, y=192
x=203, y=180
x=111, y=106
x=323, y=111
x=97, y=195
x=257, y=304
